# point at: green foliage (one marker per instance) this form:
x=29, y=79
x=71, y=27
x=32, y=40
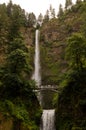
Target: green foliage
x=17, y=99
x=75, y=50
x=49, y=64
x=71, y=103
x=31, y=20
x=17, y=59
x=46, y=17
x=68, y=4
x=19, y=114
x=61, y=12
x=13, y=11
x=4, y=25
x=52, y=12
x=17, y=43
x=18, y=111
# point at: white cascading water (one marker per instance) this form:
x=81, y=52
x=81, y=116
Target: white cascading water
x=36, y=76
x=48, y=120
x=48, y=116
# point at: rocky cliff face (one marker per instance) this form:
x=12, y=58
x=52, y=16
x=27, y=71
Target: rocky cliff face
x=52, y=52
x=29, y=36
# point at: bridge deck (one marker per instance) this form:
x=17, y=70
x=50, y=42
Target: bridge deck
x=47, y=87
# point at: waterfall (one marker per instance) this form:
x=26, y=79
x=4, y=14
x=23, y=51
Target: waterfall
x=48, y=116
x=36, y=76
x=48, y=120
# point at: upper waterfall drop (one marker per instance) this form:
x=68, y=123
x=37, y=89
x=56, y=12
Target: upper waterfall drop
x=36, y=75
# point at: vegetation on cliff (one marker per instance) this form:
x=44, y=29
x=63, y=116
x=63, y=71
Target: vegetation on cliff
x=17, y=99
x=70, y=112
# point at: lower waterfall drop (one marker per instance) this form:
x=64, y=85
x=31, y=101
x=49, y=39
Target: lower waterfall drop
x=48, y=120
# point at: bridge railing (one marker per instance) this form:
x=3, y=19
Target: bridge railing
x=47, y=87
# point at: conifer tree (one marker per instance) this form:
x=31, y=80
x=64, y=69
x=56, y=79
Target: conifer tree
x=31, y=20
x=40, y=19
x=78, y=1
x=52, y=12
x=46, y=16
x=68, y=4
x=60, y=13
x=9, y=8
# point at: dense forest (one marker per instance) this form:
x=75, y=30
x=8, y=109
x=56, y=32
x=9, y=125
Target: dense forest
x=16, y=87
x=63, y=63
